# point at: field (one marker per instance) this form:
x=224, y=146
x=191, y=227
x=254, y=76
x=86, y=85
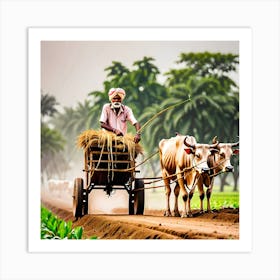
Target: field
x=219, y=200
x=108, y=216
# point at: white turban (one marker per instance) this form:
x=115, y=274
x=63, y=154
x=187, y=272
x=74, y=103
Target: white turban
x=116, y=91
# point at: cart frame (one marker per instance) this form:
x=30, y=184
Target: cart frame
x=108, y=168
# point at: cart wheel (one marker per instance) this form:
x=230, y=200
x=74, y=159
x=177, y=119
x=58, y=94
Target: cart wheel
x=137, y=198
x=131, y=203
x=85, y=202
x=78, y=197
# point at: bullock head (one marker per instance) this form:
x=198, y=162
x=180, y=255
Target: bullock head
x=200, y=153
x=221, y=160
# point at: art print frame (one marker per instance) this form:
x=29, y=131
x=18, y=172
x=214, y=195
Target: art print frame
x=243, y=36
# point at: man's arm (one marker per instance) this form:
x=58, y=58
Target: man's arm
x=137, y=137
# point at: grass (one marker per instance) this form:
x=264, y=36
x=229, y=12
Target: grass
x=225, y=200
x=155, y=199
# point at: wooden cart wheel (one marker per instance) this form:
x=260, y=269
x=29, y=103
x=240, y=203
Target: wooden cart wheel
x=85, y=202
x=78, y=197
x=131, y=203
x=137, y=198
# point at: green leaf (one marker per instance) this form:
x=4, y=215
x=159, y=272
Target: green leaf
x=78, y=232
x=93, y=237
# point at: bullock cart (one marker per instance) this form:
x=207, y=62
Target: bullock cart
x=109, y=164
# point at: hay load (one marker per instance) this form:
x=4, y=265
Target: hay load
x=92, y=139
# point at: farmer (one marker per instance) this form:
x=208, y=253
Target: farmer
x=115, y=115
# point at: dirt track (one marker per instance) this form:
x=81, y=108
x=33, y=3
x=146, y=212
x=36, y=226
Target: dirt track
x=223, y=224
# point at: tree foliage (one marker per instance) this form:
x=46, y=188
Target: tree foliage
x=48, y=103
x=52, y=142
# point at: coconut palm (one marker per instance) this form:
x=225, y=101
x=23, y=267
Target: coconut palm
x=214, y=106
x=52, y=142
x=48, y=103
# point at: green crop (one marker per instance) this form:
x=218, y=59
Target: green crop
x=55, y=228
x=219, y=200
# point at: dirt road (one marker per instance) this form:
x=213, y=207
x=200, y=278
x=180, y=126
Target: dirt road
x=222, y=224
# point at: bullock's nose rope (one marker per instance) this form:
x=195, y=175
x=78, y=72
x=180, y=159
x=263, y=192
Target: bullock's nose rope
x=221, y=172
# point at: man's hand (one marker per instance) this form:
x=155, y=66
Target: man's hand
x=137, y=138
x=118, y=132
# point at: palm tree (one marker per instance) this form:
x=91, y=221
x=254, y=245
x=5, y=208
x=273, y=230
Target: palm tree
x=72, y=121
x=48, y=103
x=52, y=142
x=214, y=95
x=214, y=106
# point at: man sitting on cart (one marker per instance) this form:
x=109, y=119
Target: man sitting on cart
x=115, y=115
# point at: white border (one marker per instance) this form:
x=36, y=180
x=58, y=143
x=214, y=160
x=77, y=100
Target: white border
x=36, y=35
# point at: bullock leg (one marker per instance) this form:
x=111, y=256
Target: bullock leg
x=185, y=213
x=191, y=181
x=201, y=196
x=201, y=193
x=176, y=193
x=167, y=212
x=185, y=195
x=189, y=210
x=208, y=195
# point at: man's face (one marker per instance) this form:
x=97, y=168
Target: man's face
x=116, y=101
x=116, y=98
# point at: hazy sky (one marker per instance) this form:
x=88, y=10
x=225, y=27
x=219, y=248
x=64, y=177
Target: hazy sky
x=72, y=69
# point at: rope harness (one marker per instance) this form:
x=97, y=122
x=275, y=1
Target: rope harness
x=158, y=179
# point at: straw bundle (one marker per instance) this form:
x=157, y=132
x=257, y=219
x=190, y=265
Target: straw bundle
x=108, y=140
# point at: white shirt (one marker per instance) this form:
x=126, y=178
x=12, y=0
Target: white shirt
x=117, y=121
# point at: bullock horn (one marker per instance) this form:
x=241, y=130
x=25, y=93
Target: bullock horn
x=214, y=141
x=188, y=144
x=235, y=144
x=214, y=145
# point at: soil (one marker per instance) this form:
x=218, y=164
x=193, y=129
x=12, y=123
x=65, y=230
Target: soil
x=117, y=224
